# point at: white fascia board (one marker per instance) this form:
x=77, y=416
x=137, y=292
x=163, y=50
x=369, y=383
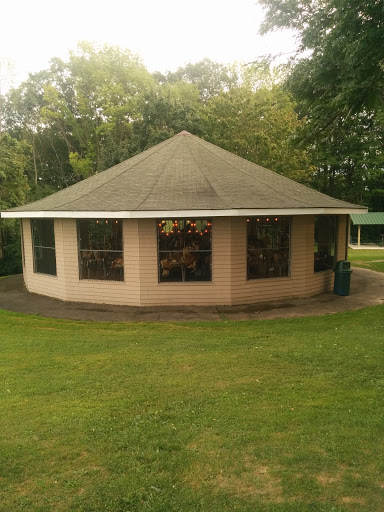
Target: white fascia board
x=179, y=213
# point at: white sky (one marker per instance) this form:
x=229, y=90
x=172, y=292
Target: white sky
x=165, y=33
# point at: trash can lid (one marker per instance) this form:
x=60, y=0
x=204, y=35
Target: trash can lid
x=343, y=265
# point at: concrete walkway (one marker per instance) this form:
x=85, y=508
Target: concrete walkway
x=369, y=247
x=367, y=289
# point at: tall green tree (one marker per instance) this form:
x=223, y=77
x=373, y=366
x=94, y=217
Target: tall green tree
x=77, y=115
x=168, y=109
x=258, y=125
x=349, y=161
x=343, y=73
x=338, y=83
x=13, y=190
x=209, y=76
x=109, y=84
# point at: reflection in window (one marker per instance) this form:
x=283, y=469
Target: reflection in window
x=268, y=247
x=43, y=241
x=325, y=242
x=100, y=249
x=185, y=250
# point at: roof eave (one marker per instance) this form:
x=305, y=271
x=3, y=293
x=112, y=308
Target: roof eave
x=154, y=214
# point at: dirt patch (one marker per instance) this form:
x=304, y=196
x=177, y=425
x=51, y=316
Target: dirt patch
x=327, y=479
x=249, y=480
x=350, y=500
x=257, y=481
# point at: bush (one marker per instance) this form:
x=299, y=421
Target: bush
x=11, y=263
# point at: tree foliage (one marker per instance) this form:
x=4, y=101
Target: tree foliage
x=102, y=106
x=210, y=77
x=165, y=110
x=343, y=73
x=338, y=84
x=13, y=190
x=13, y=182
x=258, y=125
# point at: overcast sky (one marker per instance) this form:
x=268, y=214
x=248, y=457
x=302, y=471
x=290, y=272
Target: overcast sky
x=165, y=33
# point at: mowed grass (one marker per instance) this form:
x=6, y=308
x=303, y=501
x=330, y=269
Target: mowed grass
x=371, y=259
x=283, y=415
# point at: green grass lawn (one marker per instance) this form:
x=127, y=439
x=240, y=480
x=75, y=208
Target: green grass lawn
x=371, y=259
x=279, y=416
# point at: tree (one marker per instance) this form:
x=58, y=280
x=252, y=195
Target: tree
x=13, y=182
x=78, y=115
x=349, y=161
x=338, y=86
x=168, y=109
x=258, y=125
x=109, y=84
x=210, y=77
x=343, y=74
x=6, y=76
x=13, y=190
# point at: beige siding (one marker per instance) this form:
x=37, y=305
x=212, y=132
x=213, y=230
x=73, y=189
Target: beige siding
x=141, y=287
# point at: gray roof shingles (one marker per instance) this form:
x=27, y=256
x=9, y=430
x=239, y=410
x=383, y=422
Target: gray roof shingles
x=184, y=173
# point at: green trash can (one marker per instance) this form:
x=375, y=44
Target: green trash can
x=342, y=277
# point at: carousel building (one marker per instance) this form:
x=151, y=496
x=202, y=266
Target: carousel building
x=183, y=223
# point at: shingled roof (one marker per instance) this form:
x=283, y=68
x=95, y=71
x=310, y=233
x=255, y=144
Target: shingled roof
x=184, y=175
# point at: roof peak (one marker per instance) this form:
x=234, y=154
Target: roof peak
x=184, y=132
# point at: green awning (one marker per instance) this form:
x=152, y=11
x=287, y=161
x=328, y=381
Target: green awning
x=371, y=218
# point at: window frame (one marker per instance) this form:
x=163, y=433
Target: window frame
x=36, y=224
x=335, y=230
x=176, y=257
x=286, y=249
x=106, y=263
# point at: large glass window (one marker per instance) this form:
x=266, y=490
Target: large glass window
x=43, y=241
x=268, y=252
x=185, y=250
x=325, y=242
x=101, y=249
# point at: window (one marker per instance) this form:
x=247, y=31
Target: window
x=43, y=241
x=268, y=240
x=100, y=249
x=325, y=242
x=184, y=250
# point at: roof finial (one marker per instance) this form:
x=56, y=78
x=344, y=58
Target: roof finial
x=184, y=132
